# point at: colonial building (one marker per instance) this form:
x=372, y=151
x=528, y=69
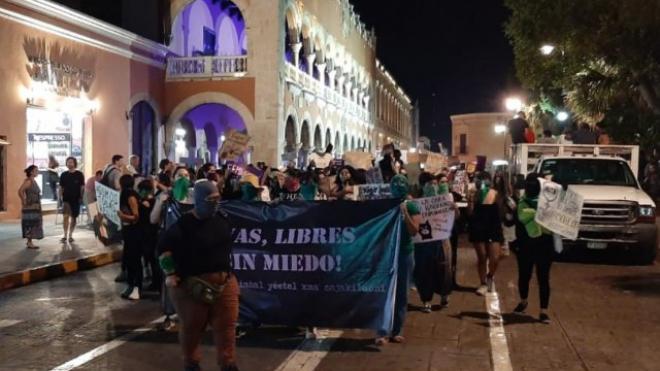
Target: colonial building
x=293, y=75
x=480, y=134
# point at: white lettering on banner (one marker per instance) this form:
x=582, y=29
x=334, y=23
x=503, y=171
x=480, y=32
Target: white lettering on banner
x=108, y=202
x=559, y=211
x=296, y=236
x=437, y=218
x=367, y=192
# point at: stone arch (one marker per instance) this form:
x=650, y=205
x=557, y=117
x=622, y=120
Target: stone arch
x=318, y=138
x=305, y=137
x=158, y=121
x=228, y=40
x=290, y=134
x=328, y=137
x=337, y=143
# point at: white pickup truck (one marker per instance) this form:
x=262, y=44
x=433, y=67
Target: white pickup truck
x=617, y=213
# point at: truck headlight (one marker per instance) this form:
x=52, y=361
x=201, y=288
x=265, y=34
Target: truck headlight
x=646, y=214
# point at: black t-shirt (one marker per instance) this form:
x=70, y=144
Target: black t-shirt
x=198, y=246
x=164, y=179
x=72, y=183
x=517, y=130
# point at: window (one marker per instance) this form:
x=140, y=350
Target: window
x=586, y=171
x=463, y=144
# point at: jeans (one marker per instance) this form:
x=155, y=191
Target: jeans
x=132, y=255
x=537, y=252
x=404, y=273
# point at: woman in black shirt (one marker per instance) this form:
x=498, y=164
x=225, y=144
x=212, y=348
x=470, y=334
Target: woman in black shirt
x=130, y=217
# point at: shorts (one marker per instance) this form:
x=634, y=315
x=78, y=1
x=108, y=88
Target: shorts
x=71, y=208
x=486, y=232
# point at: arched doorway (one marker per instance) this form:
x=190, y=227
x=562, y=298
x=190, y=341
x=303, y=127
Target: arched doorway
x=290, y=140
x=338, y=147
x=304, y=136
x=318, y=139
x=144, y=136
x=328, y=138
x=346, y=144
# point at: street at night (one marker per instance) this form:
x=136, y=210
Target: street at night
x=316, y=185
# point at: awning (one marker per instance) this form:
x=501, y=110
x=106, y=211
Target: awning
x=4, y=142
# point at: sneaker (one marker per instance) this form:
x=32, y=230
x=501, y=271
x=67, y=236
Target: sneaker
x=397, y=339
x=71, y=239
x=520, y=308
x=490, y=283
x=544, y=318
x=381, y=341
x=63, y=239
x=135, y=294
x=482, y=290
x=126, y=293
x=426, y=308
x=444, y=302
x=121, y=277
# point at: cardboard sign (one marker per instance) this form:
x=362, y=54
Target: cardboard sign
x=559, y=211
x=107, y=200
x=437, y=218
x=435, y=162
x=460, y=183
x=366, y=192
x=235, y=144
x=358, y=160
x=374, y=175
x=321, y=160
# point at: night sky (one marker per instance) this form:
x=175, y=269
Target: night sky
x=452, y=56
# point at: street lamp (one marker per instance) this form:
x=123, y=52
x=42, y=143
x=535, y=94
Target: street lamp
x=547, y=49
x=562, y=116
x=513, y=104
x=500, y=129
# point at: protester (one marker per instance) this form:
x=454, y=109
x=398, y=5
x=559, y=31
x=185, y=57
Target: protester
x=651, y=183
x=309, y=185
x=204, y=171
x=517, y=128
x=344, y=183
x=53, y=175
x=535, y=248
x=165, y=175
x=31, y=218
x=432, y=272
x=603, y=137
x=130, y=216
x=566, y=137
x=133, y=167
x=387, y=163
x=113, y=172
x=90, y=187
x=149, y=232
x=72, y=183
x=584, y=135
x=547, y=138
x=507, y=207
x=411, y=219
x=250, y=188
x=181, y=186
x=195, y=256
x=485, y=230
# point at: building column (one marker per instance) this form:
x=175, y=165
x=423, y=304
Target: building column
x=321, y=68
x=310, y=64
x=332, y=75
x=340, y=83
x=296, y=53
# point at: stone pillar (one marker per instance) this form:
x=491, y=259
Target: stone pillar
x=310, y=63
x=296, y=53
x=321, y=68
x=340, y=82
x=332, y=75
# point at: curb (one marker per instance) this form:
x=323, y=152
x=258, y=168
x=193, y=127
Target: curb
x=46, y=272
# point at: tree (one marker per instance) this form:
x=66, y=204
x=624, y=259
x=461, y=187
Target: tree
x=606, y=62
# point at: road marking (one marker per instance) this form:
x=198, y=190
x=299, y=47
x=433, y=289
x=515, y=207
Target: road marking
x=499, y=349
x=310, y=352
x=105, y=348
x=8, y=323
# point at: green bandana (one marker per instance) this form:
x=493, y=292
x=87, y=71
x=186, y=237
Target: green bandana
x=181, y=188
x=483, y=193
x=443, y=189
x=429, y=190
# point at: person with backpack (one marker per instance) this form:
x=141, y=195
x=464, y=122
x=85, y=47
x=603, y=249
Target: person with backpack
x=113, y=171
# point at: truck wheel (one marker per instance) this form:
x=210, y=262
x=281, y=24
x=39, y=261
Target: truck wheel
x=647, y=255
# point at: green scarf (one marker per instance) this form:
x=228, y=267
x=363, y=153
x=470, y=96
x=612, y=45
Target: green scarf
x=429, y=190
x=483, y=193
x=181, y=189
x=443, y=189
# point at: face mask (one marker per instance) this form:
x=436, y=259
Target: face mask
x=144, y=194
x=399, y=187
x=443, y=189
x=180, y=189
x=429, y=190
x=205, y=209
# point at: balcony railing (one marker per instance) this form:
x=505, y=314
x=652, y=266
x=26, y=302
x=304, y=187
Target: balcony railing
x=206, y=67
x=324, y=92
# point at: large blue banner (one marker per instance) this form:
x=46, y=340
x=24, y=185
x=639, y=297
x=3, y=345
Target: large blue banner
x=327, y=264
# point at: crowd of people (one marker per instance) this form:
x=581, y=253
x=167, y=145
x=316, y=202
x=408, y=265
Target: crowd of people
x=187, y=257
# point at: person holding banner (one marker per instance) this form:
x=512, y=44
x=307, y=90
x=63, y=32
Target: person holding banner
x=344, y=183
x=195, y=256
x=535, y=248
x=485, y=230
x=412, y=219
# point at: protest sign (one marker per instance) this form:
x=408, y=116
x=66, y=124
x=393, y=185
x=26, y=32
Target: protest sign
x=559, y=210
x=235, y=144
x=300, y=265
x=108, y=202
x=358, y=160
x=435, y=162
x=460, y=183
x=437, y=218
x=321, y=160
x=374, y=175
x=365, y=192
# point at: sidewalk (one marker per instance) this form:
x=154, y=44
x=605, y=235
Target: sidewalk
x=20, y=266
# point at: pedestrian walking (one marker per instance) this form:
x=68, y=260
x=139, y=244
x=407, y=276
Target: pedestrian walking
x=130, y=216
x=72, y=184
x=31, y=218
x=112, y=172
x=53, y=175
x=535, y=249
x=410, y=227
x=485, y=230
x=195, y=256
x=90, y=187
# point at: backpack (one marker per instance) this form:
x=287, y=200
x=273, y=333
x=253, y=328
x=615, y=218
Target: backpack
x=105, y=180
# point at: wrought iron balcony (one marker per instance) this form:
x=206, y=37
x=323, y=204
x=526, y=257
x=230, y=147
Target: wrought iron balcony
x=206, y=67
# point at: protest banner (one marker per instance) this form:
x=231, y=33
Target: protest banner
x=298, y=264
x=559, y=210
x=108, y=202
x=374, y=175
x=358, y=160
x=366, y=192
x=235, y=144
x=437, y=218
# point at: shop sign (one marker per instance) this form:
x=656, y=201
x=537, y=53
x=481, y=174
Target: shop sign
x=49, y=137
x=62, y=79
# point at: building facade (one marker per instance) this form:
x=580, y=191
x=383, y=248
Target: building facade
x=480, y=134
x=294, y=75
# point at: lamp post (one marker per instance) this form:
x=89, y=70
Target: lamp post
x=513, y=104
